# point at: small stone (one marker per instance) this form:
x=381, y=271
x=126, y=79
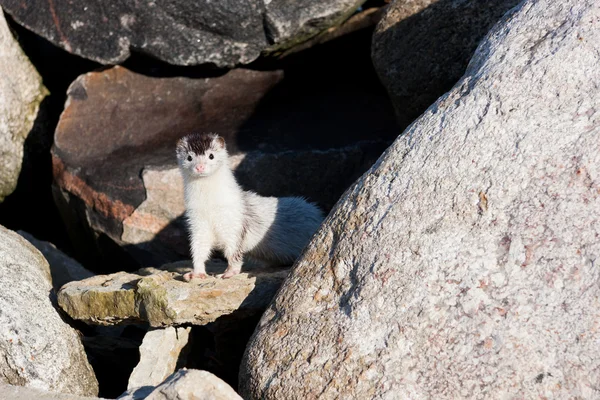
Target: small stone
x=186, y=384
x=160, y=353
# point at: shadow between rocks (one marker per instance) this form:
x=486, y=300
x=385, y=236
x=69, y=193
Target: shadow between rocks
x=31, y=207
x=422, y=56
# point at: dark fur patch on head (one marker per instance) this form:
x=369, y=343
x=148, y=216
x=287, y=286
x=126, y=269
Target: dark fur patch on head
x=200, y=143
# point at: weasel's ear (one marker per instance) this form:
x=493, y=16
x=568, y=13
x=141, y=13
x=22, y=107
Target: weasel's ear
x=220, y=142
x=181, y=144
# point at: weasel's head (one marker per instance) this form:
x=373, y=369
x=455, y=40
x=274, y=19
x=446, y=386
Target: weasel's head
x=201, y=154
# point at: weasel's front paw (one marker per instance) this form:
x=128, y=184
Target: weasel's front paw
x=229, y=273
x=191, y=275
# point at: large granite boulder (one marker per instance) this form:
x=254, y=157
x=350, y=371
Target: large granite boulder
x=421, y=48
x=21, y=92
x=162, y=298
x=224, y=33
x=37, y=348
x=117, y=184
x=185, y=384
x=465, y=262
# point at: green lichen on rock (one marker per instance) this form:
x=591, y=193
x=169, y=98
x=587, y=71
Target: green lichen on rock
x=152, y=299
x=112, y=301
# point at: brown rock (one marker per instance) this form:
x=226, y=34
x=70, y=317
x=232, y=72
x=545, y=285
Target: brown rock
x=116, y=122
x=422, y=47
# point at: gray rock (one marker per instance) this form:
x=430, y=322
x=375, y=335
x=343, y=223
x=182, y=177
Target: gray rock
x=289, y=22
x=159, y=355
x=421, y=48
x=63, y=268
x=186, y=384
x=22, y=92
x=464, y=263
x=224, y=33
x=10, y=392
x=363, y=20
x=162, y=298
x=37, y=348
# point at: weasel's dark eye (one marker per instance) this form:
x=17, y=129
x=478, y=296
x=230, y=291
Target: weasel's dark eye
x=211, y=156
x=189, y=158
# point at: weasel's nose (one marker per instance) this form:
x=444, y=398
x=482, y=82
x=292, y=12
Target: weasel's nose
x=199, y=168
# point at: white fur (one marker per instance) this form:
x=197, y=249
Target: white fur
x=223, y=216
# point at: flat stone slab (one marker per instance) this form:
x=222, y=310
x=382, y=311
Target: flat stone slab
x=161, y=297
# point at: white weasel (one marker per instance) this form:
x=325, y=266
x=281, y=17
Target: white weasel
x=223, y=216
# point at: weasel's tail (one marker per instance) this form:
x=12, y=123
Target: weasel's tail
x=295, y=222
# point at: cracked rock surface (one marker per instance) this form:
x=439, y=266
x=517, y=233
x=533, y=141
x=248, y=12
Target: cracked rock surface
x=162, y=298
x=465, y=262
